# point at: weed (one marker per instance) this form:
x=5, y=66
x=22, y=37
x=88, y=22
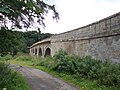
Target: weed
x=10, y=79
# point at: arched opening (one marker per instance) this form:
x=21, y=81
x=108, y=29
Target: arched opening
x=47, y=52
x=35, y=51
x=40, y=52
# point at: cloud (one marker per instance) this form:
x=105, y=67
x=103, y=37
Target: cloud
x=111, y=1
x=77, y=13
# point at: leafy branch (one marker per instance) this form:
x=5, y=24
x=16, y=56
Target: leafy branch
x=23, y=13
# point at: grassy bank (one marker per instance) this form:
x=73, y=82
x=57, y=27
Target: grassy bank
x=10, y=79
x=81, y=73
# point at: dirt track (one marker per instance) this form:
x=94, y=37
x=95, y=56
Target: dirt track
x=39, y=80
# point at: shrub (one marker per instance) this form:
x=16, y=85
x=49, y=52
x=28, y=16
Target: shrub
x=60, y=55
x=68, y=64
x=105, y=73
x=5, y=58
x=61, y=62
x=47, y=62
x=109, y=74
x=10, y=79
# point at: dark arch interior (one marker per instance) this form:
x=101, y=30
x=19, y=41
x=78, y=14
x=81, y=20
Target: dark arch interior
x=32, y=50
x=47, y=52
x=35, y=51
x=40, y=52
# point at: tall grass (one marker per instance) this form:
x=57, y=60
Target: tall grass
x=10, y=79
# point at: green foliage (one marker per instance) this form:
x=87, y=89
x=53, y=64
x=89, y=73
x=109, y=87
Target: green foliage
x=34, y=36
x=21, y=13
x=15, y=41
x=10, y=79
x=8, y=42
x=75, y=68
x=60, y=55
x=5, y=58
x=48, y=62
x=104, y=73
x=24, y=58
x=109, y=74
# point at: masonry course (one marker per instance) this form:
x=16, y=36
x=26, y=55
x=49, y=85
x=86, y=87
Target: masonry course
x=101, y=40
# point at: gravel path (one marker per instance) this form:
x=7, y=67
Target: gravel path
x=39, y=80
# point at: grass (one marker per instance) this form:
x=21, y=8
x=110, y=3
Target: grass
x=22, y=63
x=20, y=83
x=10, y=79
x=81, y=83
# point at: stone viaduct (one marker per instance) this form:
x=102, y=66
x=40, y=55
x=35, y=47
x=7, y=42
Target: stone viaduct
x=101, y=40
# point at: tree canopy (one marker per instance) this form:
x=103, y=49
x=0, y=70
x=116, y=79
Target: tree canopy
x=22, y=13
x=8, y=42
x=12, y=42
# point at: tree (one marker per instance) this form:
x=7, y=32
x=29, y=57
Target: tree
x=12, y=42
x=21, y=13
x=9, y=43
x=34, y=36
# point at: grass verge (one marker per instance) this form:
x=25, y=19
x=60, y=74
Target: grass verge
x=10, y=79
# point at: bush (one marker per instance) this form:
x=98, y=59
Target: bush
x=60, y=55
x=109, y=74
x=47, y=62
x=10, y=79
x=104, y=73
x=67, y=64
x=5, y=58
x=51, y=62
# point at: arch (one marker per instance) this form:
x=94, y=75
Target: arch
x=40, y=52
x=48, y=52
x=35, y=51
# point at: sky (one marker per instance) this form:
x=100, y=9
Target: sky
x=77, y=13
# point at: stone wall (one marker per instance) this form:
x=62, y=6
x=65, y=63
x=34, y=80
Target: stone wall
x=100, y=40
x=40, y=48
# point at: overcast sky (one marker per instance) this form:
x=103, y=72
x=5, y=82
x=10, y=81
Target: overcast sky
x=78, y=13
